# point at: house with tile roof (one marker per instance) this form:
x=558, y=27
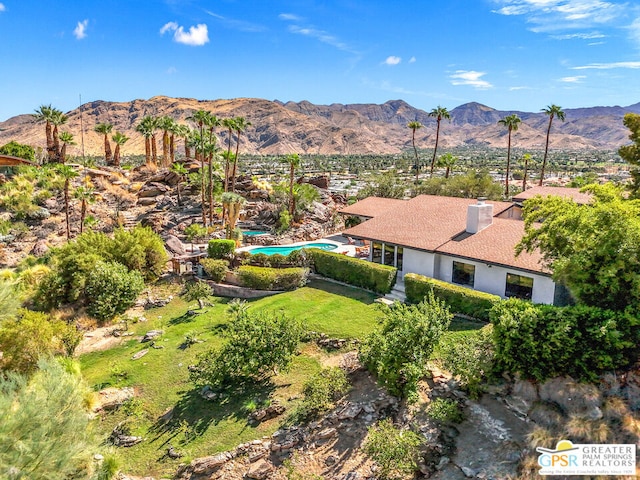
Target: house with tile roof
x=457, y=240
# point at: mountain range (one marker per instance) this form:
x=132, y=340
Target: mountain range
x=303, y=127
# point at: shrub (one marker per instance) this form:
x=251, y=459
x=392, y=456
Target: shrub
x=266, y=278
x=277, y=260
x=397, y=353
x=299, y=258
x=260, y=259
x=215, y=269
x=111, y=289
x=258, y=345
x=139, y=249
x=323, y=389
x=445, y=411
x=372, y=276
x=460, y=299
x=543, y=341
x=470, y=358
x=221, y=248
x=395, y=451
x=198, y=291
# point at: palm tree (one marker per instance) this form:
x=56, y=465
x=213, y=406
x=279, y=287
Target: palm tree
x=211, y=123
x=44, y=113
x=551, y=111
x=86, y=195
x=233, y=203
x=145, y=127
x=181, y=171
x=165, y=124
x=105, y=129
x=183, y=131
x=57, y=119
x=415, y=126
x=200, y=118
x=447, y=160
x=511, y=122
x=67, y=139
x=294, y=162
x=240, y=126
x=230, y=125
x=67, y=173
x=438, y=113
x=119, y=139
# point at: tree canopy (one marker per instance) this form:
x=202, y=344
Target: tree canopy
x=631, y=153
x=593, y=249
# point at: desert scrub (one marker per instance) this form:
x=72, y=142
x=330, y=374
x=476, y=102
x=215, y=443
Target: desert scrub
x=322, y=390
x=445, y=411
x=395, y=451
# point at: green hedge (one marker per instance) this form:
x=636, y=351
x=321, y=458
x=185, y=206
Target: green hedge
x=216, y=269
x=460, y=299
x=265, y=278
x=372, y=276
x=221, y=248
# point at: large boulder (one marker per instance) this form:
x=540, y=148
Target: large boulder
x=112, y=397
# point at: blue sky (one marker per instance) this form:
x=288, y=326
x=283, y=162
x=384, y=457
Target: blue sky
x=508, y=54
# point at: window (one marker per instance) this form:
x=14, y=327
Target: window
x=376, y=249
x=389, y=253
x=519, y=286
x=399, y=256
x=463, y=274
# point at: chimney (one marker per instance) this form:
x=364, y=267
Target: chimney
x=479, y=216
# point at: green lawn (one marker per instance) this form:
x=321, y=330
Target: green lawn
x=161, y=379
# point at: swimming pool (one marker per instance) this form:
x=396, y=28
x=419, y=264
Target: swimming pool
x=287, y=249
x=253, y=233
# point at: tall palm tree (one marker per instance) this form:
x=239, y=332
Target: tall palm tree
x=183, y=131
x=67, y=139
x=415, y=126
x=240, y=126
x=229, y=124
x=119, y=139
x=211, y=123
x=166, y=125
x=438, y=113
x=200, y=117
x=57, y=119
x=512, y=123
x=447, y=161
x=67, y=173
x=86, y=195
x=294, y=162
x=551, y=111
x=145, y=127
x=526, y=158
x=105, y=129
x=44, y=113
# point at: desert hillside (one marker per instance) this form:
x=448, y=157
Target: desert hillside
x=281, y=128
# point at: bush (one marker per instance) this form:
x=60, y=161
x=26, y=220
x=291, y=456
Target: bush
x=139, y=249
x=266, y=278
x=111, y=289
x=445, y=411
x=322, y=390
x=198, y=291
x=543, y=341
x=259, y=344
x=277, y=260
x=260, y=259
x=221, y=248
x=470, y=358
x=215, y=269
x=372, y=276
x=299, y=258
x=460, y=299
x=397, y=353
x=395, y=451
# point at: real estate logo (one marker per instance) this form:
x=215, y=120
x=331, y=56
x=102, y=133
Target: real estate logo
x=570, y=458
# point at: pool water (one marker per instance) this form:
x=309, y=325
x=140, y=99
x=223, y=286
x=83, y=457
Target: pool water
x=253, y=233
x=287, y=249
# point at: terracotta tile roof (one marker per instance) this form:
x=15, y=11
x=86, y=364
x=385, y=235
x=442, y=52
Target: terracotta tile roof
x=435, y=223
x=372, y=206
x=574, y=193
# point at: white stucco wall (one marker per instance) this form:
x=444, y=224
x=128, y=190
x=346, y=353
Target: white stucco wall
x=415, y=261
x=490, y=279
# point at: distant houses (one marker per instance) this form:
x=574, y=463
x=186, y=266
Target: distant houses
x=461, y=241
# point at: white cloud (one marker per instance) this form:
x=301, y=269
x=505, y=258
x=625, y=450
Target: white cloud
x=579, y=36
x=172, y=70
x=558, y=15
x=290, y=16
x=2, y=7
x=608, y=66
x=471, y=78
x=320, y=35
x=196, y=36
x=80, y=31
x=412, y=60
x=392, y=60
x=574, y=79
x=517, y=88
x=240, y=25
